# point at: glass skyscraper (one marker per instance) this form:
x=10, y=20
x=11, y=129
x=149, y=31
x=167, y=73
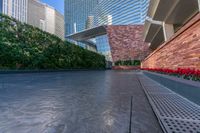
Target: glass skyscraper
x=1, y=5
x=103, y=12
x=77, y=13
x=120, y=12
x=115, y=12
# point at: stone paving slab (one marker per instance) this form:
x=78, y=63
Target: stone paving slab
x=74, y=102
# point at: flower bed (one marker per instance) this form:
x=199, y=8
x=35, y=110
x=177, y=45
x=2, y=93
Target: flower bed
x=189, y=74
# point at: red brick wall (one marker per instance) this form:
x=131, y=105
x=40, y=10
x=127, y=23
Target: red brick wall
x=126, y=42
x=181, y=51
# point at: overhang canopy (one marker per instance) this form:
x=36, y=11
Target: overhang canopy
x=151, y=29
x=89, y=33
x=172, y=11
x=184, y=11
x=157, y=40
x=153, y=33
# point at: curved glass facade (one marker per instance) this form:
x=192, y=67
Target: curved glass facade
x=120, y=12
x=144, y=9
x=80, y=14
x=115, y=12
x=100, y=41
x=77, y=13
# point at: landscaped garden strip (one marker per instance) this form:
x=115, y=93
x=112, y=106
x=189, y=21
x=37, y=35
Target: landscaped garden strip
x=23, y=46
x=185, y=73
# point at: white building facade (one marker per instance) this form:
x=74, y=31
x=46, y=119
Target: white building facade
x=15, y=8
x=46, y=18
x=35, y=13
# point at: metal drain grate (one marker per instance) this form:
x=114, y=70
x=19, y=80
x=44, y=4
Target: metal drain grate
x=171, y=105
x=157, y=89
x=176, y=114
x=180, y=126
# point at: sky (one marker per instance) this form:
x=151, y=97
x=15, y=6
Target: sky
x=58, y=4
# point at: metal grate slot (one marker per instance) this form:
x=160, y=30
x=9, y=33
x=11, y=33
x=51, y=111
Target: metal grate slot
x=180, y=126
x=171, y=105
x=156, y=89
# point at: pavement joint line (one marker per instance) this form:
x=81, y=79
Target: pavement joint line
x=131, y=114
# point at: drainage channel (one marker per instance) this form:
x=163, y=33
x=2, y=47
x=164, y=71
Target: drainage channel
x=175, y=113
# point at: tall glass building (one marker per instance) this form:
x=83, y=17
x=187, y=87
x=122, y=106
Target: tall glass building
x=1, y=5
x=103, y=12
x=77, y=13
x=115, y=12
x=120, y=12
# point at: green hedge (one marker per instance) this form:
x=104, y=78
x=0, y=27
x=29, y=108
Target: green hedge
x=26, y=47
x=128, y=63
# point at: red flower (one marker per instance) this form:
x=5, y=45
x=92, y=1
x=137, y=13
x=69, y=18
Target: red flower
x=184, y=72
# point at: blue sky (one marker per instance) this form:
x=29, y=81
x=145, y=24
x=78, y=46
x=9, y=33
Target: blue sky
x=58, y=4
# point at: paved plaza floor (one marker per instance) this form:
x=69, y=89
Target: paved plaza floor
x=75, y=102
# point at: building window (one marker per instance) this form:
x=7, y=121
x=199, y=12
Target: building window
x=42, y=24
x=5, y=7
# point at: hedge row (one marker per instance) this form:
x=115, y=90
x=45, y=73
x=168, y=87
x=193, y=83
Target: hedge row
x=128, y=63
x=26, y=47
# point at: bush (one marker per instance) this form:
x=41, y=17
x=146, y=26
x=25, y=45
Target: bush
x=128, y=63
x=25, y=47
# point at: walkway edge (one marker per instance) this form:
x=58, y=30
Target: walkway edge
x=174, y=112
x=151, y=103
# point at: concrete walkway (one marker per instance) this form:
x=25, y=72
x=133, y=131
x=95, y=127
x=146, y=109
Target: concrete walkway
x=74, y=102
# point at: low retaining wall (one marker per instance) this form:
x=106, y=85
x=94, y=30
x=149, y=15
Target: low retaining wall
x=186, y=88
x=181, y=51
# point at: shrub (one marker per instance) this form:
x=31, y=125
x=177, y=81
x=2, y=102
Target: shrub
x=128, y=63
x=25, y=47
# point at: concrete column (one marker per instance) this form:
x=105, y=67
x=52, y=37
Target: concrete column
x=168, y=30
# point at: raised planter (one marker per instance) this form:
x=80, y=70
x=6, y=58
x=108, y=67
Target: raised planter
x=186, y=88
x=126, y=67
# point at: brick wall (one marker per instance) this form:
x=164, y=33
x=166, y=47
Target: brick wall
x=127, y=43
x=181, y=51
